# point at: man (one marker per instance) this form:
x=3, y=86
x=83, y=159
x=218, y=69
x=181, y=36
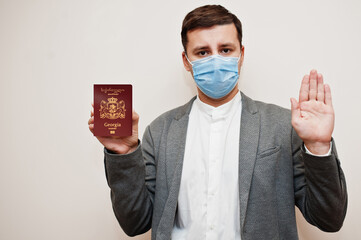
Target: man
x=224, y=166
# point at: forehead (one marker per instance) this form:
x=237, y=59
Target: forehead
x=212, y=36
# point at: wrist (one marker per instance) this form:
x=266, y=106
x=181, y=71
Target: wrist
x=318, y=148
x=132, y=149
x=125, y=149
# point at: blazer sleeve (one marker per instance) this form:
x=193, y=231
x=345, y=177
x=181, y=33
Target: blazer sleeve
x=131, y=178
x=320, y=187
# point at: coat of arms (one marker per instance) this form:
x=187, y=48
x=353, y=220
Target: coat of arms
x=112, y=109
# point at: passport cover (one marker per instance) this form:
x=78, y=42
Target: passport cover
x=112, y=110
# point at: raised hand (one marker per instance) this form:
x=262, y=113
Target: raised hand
x=120, y=145
x=313, y=116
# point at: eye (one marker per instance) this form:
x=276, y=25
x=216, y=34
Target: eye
x=202, y=53
x=225, y=51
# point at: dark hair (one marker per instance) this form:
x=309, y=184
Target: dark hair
x=208, y=16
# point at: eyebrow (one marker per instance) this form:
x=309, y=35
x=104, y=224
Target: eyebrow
x=227, y=45
x=207, y=47
x=200, y=48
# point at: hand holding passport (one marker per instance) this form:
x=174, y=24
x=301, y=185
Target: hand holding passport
x=112, y=120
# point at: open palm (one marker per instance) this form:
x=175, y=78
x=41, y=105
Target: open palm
x=313, y=116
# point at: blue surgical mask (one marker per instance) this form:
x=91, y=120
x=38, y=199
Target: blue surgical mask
x=215, y=76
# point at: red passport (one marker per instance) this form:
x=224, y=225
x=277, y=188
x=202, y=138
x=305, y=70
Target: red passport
x=112, y=110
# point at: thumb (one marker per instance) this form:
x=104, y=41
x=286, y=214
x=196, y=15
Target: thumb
x=295, y=109
x=135, y=118
x=135, y=121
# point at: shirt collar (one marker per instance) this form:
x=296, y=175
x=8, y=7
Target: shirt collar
x=221, y=111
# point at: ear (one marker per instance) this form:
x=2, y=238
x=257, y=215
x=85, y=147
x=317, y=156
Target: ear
x=242, y=57
x=186, y=64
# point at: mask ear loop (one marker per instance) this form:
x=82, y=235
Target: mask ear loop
x=188, y=59
x=239, y=57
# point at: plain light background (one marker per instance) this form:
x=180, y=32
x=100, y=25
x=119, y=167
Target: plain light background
x=52, y=179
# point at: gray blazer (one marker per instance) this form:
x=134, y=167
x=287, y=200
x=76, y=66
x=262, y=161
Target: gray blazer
x=275, y=174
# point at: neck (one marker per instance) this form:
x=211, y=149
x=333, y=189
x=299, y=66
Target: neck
x=218, y=102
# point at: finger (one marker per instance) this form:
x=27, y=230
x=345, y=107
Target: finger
x=313, y=85
x=320, y=88
x=91, y=128
x=91, y=121
x=328, y=97
x=305, y=85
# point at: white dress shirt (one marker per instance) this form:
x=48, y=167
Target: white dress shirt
x=208, y=202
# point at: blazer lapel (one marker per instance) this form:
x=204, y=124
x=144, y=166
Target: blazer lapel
x=175, y=150
x=176, y=139
x=248, y=144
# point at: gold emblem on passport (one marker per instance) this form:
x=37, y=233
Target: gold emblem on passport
x=112, y=109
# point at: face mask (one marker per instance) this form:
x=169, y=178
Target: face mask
x=215, y=75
